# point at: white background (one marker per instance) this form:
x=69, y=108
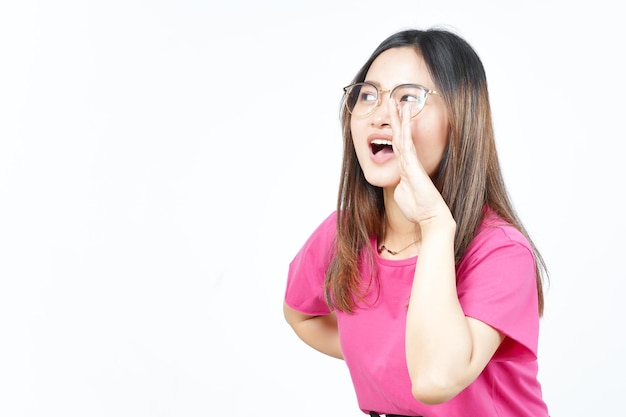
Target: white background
x=161, y=162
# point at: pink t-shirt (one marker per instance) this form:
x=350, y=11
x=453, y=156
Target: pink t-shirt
x=495, y=284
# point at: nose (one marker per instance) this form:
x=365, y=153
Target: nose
x=380, y=116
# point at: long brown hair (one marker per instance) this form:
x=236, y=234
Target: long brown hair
x=468, y=178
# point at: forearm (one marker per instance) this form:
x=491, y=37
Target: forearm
x=438, y=337
x=319, y=332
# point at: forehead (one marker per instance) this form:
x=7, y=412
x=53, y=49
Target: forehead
x=399, y=66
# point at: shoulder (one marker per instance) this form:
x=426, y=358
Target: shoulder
x=326, y=230
x=498, y=247
x=320, y=242
x=305, y=280
x=496, y=284
x=494, y=232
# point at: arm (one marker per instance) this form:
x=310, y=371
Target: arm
x=445, y=350
x=319, y=332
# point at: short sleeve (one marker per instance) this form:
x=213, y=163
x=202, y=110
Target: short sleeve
x=305, y=279
x=496, y=284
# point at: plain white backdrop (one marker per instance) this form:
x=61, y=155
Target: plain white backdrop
x=161, y=162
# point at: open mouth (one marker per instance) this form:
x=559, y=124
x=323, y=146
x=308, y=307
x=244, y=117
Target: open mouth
x=381, y=145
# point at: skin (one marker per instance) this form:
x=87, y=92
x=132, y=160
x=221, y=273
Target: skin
x=445, y=350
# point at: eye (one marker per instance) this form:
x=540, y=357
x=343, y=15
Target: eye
x=368, y=97
x=368, y=94
x=410, y=94
x=361, y=98
x=411, y=98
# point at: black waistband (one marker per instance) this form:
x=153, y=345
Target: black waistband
x=375, y=414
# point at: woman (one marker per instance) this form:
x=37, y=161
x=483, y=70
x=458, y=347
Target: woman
x=423, y=280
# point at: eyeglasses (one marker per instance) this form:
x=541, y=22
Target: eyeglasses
x=361, y=99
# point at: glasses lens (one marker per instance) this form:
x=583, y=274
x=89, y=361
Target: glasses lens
x=410, y=96
x=361, y=99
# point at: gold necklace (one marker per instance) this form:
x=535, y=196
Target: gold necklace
x=383, y=247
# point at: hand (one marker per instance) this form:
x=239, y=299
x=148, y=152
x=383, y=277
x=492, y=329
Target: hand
x=416, y=195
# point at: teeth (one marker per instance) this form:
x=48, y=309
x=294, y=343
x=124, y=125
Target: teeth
x=381, y=142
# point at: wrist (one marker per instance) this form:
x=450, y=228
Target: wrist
x=439, y=226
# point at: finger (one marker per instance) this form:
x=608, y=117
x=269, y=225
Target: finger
x=395, y=118
x=405, y=144
x=407, y=137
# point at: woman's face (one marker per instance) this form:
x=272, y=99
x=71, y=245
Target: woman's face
x=429, y=128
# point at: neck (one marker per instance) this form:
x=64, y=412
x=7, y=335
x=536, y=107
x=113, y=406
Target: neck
x=398, y=231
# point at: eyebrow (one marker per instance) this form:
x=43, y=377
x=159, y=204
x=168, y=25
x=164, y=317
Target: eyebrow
x=377, y=84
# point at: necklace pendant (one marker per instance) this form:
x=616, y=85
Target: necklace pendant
x=394, y=253
x=383, y=247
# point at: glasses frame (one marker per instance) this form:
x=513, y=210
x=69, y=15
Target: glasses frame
x=380, y=92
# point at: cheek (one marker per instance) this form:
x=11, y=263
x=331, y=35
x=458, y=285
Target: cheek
x=430, y=144
x=359, y=133
x=355, y=127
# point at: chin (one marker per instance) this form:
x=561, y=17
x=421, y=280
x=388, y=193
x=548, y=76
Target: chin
x=383, y=181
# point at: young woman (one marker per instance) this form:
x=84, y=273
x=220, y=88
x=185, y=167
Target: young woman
x=423, y=280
